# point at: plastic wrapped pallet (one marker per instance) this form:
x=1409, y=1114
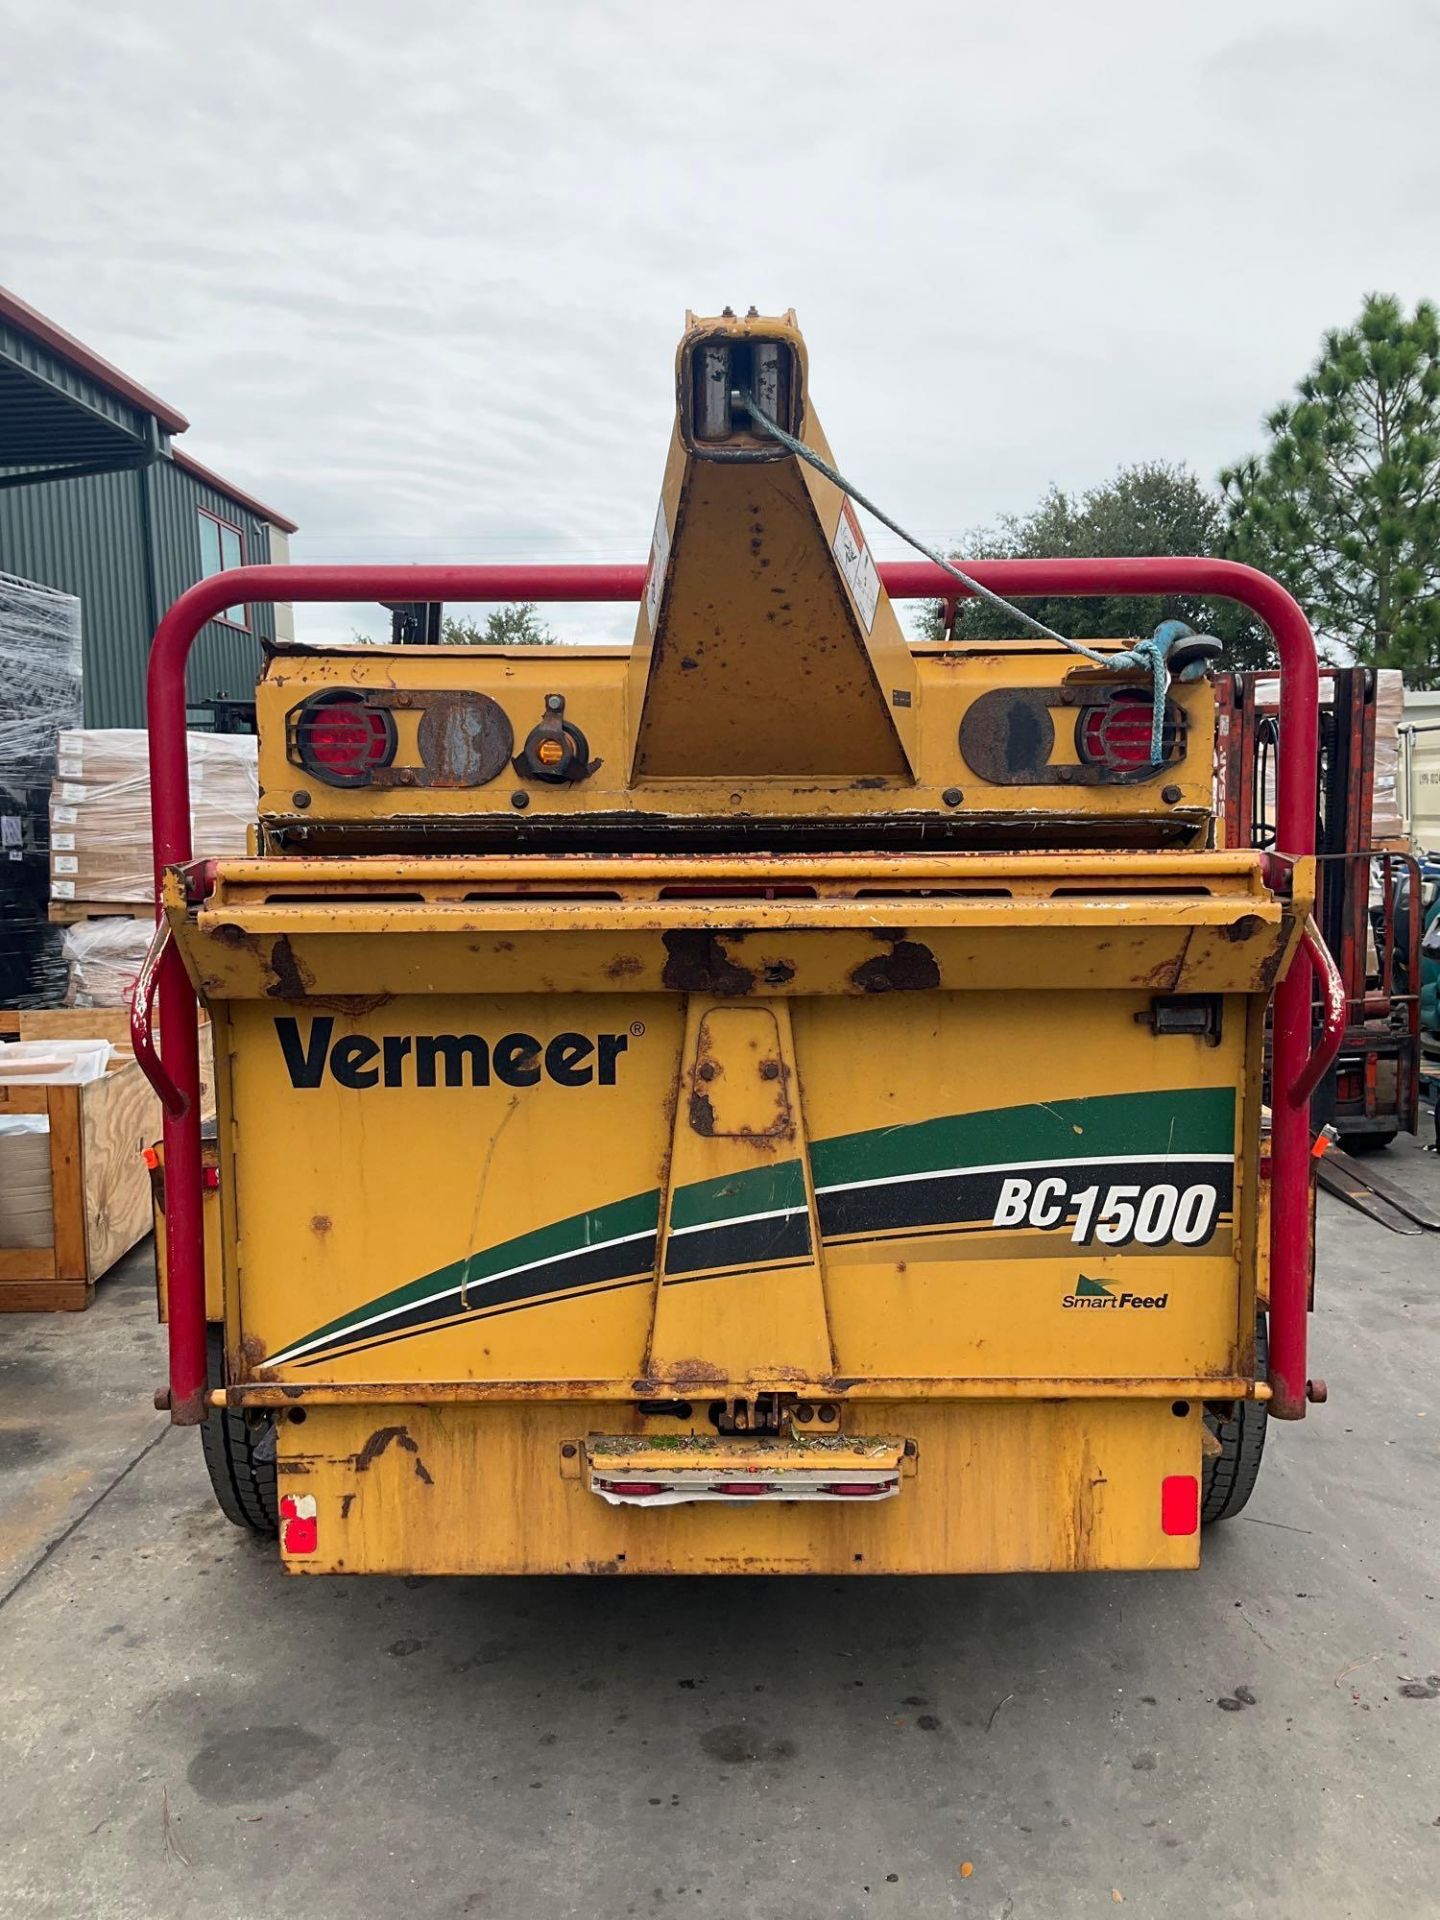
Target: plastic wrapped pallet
x=40, y=693
x=100, y=810
x=103, y=958
x=1386, y=823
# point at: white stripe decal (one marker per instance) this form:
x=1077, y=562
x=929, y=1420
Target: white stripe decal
x=1025, y=1166
x=738, y=1220
x=446, y=1293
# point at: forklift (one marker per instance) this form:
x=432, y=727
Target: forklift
x=771, y=1098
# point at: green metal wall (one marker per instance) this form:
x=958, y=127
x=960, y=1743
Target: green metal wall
x=88, y=537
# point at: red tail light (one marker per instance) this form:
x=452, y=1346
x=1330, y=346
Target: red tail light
x=1180, y=1504
x=858, y=1489
x=636, y=1489
x=1117, y=734
x=740, y=1489
x=338, y=738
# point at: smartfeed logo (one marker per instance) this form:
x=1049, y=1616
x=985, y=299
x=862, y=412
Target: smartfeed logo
x=1094, y=1294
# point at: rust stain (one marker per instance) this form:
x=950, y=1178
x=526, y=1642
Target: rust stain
x=379, y=1441
x=321, y=1223
x=702, y=1114
x=623, y=966
x=696, y=962
x=291, y=982
x=1245, y=928
x=347, y=1500
x=909, y=967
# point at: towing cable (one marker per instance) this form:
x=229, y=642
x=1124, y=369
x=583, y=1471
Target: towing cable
x=1148, y=656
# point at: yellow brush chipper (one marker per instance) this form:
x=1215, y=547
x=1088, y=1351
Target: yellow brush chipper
x=772, y=1098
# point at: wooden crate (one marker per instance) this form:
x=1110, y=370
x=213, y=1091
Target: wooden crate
x=99, y=1181
x=66, y=913
x=100, y=1186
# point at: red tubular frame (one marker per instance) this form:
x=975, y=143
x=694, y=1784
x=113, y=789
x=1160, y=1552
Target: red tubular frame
x=170, y=806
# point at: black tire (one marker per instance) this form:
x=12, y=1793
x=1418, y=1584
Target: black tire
x=239, y=1455
x=1228, y=1477
x=1369, y=1139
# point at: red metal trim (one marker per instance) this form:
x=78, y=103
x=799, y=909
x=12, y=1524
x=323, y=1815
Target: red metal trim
x=75, y=353
x=1333, y=1019
x=142, y=1038
x=906, y=580
x=217, y=483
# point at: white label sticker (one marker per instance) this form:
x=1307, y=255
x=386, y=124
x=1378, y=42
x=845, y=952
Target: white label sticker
x=63, y=843
x=62, y=889
x=856, y=565
x=71, y=794
x=65, y=863
x=10, y=835
x=71, y=769
x=14, y=853
x=659, y=561
x=64, y=816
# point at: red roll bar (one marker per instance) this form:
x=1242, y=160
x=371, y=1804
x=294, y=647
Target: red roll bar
x=905, y=580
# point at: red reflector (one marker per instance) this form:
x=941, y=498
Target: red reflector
x=858, y=1489
x=299, y=1527
x=210, y=1179
x=641, y=1489
x=1117, y=735
x=741, y=1488
x=1179, y=1503
x=151, y=1158
x=341, y=740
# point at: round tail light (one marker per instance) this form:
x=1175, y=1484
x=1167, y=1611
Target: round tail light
x=1117, y=734
x=339, y=738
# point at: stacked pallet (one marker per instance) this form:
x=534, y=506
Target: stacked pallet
x=100, y=847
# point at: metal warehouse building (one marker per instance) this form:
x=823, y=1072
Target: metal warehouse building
x=96, y=500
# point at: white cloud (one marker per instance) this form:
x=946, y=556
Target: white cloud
x=416, y=273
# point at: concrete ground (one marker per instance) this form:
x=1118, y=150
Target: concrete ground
x=185, y=1732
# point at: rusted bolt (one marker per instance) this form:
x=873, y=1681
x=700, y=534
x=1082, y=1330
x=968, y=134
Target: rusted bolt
x=1170, y=795
x=162, y=1399
x=911, y=1450
x=952, y=796
x=735, y=799
x=1065, y=774
x=520, y=799
x=1316, y=1392
x=554, y=703
x=769, y=1069
x=569, y=1450
x=707, y=1070
x=406, y=777
x=301, y=799
x=1066, y=697
x=827, y=1411
x=402, y=699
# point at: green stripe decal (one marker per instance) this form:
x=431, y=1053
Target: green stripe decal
x=618, y=1240
x=632, y=1220
x=734, y=1196
x=1143, y=1125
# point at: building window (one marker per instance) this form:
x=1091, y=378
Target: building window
x=221, y=548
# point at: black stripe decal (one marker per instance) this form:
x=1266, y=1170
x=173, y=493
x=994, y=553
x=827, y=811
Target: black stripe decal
x=743, y=1243
x=954, y=1199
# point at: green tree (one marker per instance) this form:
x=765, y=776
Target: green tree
x=1343, y=507
x=1150, y=508
x=516, y=625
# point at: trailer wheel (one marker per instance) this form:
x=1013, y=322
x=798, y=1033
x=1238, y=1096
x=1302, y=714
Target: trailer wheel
x=1228, y=1477
x=239, y=1455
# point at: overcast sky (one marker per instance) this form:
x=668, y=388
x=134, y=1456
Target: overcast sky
x=415, y=272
